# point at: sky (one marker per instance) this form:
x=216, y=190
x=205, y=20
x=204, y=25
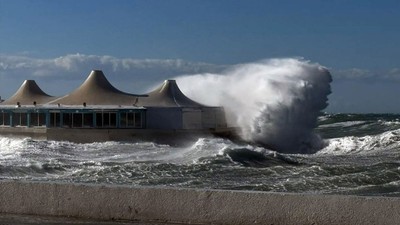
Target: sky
x=140, y=43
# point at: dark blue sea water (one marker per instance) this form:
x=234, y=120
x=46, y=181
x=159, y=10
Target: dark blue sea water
x=361, y=157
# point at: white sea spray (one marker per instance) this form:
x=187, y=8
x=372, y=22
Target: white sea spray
x=276, y=101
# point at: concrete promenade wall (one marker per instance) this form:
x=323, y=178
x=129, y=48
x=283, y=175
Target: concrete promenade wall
x=194, y=206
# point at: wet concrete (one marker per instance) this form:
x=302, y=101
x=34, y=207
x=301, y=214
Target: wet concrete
x=192, y=206
x=16, y=219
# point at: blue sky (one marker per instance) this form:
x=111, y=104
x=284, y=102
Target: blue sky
x=357, y=40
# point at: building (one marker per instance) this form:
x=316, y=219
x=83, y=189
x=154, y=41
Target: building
x=97, y=111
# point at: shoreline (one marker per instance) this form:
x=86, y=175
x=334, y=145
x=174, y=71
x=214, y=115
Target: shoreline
x=192, y=206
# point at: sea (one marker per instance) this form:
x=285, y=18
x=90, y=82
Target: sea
x=360, y=156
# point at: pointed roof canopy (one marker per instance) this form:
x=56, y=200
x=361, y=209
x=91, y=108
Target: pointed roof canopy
x=27, y=94
x=168, y=95
x=97, y=90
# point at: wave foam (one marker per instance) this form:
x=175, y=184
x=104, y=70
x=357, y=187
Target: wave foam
x=276, y=102
x=358, y=145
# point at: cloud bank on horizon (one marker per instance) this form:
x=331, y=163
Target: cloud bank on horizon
x=60, y=75
x=131, y=75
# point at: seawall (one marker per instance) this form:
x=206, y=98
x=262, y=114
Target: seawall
x=192, y=206
x=90, y=135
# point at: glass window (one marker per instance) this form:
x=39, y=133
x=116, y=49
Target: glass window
x=24, y=119
x=55, y=119
x=42, y=119
x=20, y=119
x=106, y=119
x=138, y=119
x=113, y=119
x=6, y=119
x=88, y=119
x=99, y=120
x=123, y=119
x=67, y=119
x=34, y=119
x=131, y=119
x=38, y=119
x=77, y=119
x=2, y=118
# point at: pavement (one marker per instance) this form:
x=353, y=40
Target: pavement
x=14, y=219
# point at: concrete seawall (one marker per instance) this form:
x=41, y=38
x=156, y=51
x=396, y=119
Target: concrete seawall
x=192, y=206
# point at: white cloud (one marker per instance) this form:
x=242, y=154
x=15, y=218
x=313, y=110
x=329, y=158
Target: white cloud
x=353, y=73
x=356, y=74
x=125, y=73
x=79, y=62
x=393, y=74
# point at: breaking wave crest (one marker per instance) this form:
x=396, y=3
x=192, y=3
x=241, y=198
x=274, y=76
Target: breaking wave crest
x=257, y=157
x=349, y=134
x=276, y=102
x=384, y=142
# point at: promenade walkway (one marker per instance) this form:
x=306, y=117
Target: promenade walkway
x=14, y=219
x=191, y=206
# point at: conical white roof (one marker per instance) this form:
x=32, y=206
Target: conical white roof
x=168, y=95
x=97, y=90
x=27, y=94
